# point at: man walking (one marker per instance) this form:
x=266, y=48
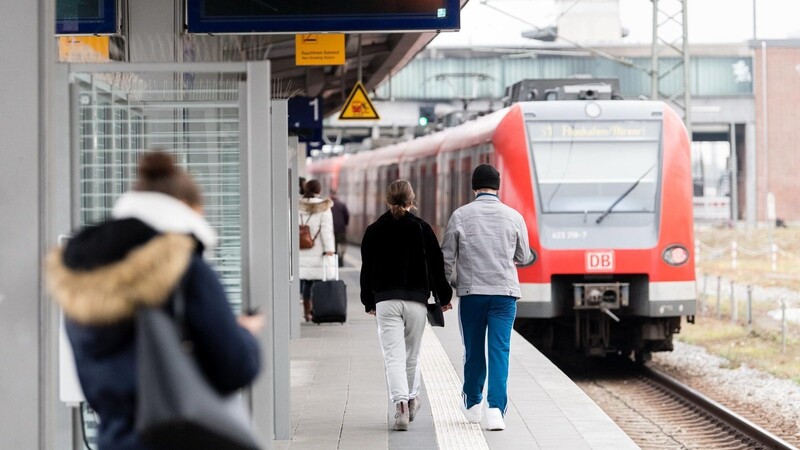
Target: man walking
x=483, y=240
x=341, y=217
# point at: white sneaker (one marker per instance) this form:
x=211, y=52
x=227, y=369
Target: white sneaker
x=494, y=419
x=474, y=413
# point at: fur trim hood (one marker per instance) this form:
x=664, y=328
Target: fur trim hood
x=315, y=205
x=111, y=292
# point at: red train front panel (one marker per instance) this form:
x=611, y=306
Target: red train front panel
x=605, y=188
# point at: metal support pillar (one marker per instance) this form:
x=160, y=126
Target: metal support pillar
x=734, y=167
x=281, y=252
x=295, y=311
x=258, y=229
x=671, y=35
x=31, y=418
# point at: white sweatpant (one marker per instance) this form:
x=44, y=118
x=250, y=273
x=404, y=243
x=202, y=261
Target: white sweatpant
x=400, y=327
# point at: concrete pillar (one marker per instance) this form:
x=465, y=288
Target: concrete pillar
x=31, y=417
x=751, y=206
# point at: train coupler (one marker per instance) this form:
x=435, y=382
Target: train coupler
x=601, y=296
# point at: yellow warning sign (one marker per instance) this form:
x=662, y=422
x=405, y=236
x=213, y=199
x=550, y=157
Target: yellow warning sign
x=319, y=49
x=358, y=105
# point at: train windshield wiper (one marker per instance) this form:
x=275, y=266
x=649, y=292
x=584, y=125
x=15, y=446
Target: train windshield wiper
x=623, y=195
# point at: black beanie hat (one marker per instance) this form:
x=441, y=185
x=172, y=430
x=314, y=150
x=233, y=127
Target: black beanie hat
x=485, y=176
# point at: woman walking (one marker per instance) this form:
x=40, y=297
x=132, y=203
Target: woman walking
x=315, y=214
x=151, y=246
x=401, y=264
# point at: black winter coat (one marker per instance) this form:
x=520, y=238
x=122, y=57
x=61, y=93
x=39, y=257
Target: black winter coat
x=393, y=262
x=99, y=279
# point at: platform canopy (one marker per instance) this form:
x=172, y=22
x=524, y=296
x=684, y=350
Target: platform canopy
x=381, y=56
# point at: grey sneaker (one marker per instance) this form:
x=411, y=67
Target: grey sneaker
x=413, y=407
x=401, y=417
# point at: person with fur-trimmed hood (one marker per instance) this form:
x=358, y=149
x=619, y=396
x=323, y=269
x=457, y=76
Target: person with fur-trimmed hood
x=315, y=212
x=151, y=246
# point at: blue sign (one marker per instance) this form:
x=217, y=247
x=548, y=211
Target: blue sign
x=293, y=16
x=86, y=17
x=305, y=119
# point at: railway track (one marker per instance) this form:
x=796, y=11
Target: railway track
x=659, y=412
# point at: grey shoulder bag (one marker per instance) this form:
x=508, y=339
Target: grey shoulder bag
x=176, y=407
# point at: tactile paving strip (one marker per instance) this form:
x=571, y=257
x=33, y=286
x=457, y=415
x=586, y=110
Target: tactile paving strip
x=444, y=394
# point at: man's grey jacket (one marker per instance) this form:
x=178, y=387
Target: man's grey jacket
x=483, y=240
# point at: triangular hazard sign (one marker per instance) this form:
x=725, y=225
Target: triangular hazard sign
x=358, y=106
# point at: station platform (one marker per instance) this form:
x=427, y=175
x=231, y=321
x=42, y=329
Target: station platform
x=339, y=397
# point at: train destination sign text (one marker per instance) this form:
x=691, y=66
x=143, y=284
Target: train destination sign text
x=593, y=130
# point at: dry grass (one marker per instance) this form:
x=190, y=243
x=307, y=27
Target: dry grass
x=757, y=348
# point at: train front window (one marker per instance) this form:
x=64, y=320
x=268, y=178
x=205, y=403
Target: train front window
x=584, y=167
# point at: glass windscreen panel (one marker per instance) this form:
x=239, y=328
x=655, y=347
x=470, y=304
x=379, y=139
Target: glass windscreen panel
x=585, y=167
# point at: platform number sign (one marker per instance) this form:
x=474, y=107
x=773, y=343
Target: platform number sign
x=600, y=261
x=305, y=119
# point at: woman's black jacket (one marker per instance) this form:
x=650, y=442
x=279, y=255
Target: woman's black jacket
x=393, y=262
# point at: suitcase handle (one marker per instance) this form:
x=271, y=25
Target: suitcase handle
x=335, y=267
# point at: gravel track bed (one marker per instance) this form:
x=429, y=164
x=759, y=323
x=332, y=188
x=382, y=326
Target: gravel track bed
x=770, y=402
x=655, y=419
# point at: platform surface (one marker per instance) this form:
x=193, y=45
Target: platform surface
x=339, y=397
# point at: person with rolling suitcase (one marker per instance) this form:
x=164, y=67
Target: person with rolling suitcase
x=402, y=264
x=316, y=241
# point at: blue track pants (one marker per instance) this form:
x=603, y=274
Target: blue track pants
x=476, y=314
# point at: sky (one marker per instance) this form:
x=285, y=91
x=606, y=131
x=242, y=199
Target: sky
x=710, y=21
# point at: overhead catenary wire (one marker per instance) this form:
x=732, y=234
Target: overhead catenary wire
x=623, y=61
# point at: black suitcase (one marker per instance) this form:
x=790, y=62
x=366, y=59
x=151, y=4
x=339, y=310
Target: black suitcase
x=329, y=299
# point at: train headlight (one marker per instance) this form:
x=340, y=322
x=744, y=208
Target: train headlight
x=675, y=255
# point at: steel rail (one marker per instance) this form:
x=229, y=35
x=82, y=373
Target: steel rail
x=717, y=410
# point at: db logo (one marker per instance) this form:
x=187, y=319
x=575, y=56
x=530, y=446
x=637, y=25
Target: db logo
x=600, y=261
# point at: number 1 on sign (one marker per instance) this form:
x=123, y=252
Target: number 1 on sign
x=315, y=104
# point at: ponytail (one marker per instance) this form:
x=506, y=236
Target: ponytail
x=400, y=195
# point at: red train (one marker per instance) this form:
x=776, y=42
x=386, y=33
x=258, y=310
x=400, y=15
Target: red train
x=606, y=190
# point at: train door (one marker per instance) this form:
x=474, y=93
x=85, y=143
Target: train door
x=355, y=203
x=374, y=178
x=362, y=202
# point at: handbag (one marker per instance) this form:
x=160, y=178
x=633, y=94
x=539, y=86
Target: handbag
x=435, y=313
x=176, y=407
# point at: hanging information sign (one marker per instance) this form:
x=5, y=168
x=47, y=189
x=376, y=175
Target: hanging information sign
x=319, y=50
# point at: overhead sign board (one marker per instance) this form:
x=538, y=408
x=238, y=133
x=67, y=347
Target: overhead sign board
x=319, y=50
x=292, y=16
x=86, y=17
x=358, y=105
